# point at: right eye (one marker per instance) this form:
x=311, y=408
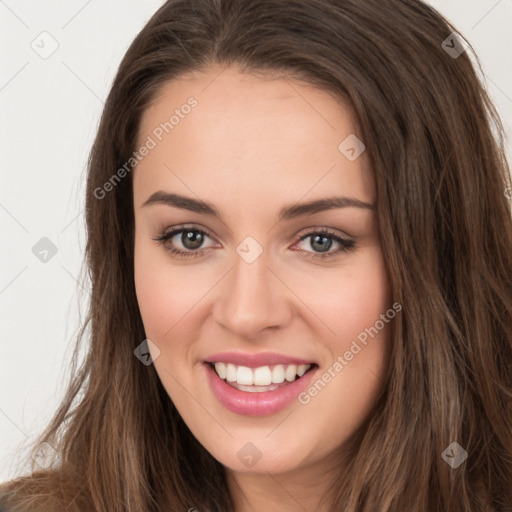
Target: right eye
x=191, y=240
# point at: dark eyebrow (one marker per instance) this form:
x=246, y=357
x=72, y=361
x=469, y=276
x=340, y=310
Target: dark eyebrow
x=320, y=205
x=286, y=213
x=187, y=203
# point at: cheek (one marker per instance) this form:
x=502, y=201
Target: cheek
x=156, y=289
x=368, y=299
x=351, y=299
x=366, y=295
x=363, y=342
x=360, y=346
x=169, y=298
x=160, y=292
x=149, y=287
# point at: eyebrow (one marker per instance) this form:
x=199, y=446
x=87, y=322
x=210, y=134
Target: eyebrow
x=286, y=213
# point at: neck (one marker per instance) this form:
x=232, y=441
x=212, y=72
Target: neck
x=294, y=491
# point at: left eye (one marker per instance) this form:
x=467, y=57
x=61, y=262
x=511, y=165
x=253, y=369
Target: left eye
x=323, y=242
x=192, y=239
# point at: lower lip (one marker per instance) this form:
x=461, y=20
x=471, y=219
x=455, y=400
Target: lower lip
x=256, y=404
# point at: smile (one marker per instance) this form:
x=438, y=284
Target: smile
x=263, y=378
x=258, y=390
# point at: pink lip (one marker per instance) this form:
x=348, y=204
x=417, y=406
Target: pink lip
x=256, y=404
x=254, y=360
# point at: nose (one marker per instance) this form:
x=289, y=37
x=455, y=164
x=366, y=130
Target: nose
x=252, y=300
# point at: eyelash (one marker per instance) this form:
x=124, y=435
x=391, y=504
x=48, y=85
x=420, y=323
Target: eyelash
x=345, y=244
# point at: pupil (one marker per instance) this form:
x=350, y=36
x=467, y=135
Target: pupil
x=323, y=247
x=196, y=239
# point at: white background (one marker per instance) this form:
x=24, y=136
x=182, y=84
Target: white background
x=50, y=111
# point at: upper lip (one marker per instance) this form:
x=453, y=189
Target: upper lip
x=255, y=360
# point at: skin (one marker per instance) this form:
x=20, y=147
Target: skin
x=252, y=145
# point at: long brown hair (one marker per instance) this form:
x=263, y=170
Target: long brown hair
x=435, y=144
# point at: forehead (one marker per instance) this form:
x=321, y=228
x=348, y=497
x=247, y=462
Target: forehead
x=248, y=136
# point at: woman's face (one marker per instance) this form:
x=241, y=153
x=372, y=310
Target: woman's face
x=260, y=289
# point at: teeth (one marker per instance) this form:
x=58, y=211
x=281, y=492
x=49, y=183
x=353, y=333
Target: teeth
x=261, y=376
x=220, y=368
x=244, y=376
x=302, y=369
x=291, y=371
x=230, y=372
x=256, y=389
x=278, y=374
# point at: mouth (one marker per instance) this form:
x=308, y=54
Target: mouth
x=262, y=378
x=261, y=390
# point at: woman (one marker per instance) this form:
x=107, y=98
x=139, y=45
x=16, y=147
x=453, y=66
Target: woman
x=300, y=248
